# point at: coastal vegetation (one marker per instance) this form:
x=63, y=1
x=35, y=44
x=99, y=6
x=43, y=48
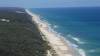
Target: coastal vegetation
x=19, y=36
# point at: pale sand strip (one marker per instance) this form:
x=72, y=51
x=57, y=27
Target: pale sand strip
x=59, y=45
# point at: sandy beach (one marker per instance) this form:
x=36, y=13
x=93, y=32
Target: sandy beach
x=56, y=41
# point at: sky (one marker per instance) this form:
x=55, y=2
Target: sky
x=49, y=3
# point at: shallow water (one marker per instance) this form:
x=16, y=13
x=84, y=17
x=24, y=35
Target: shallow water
x=79, y=25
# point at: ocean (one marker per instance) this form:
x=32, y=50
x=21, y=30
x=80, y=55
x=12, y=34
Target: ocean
x=79, y=25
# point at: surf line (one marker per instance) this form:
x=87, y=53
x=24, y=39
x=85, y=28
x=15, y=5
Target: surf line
x=60, y=45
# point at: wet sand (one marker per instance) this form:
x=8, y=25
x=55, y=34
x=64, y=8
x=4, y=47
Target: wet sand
x=57, y=42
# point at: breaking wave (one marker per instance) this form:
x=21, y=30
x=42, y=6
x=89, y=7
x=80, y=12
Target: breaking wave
x=79, y=41
x=80, y=51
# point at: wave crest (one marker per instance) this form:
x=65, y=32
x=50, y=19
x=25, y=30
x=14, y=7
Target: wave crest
x=81, y=51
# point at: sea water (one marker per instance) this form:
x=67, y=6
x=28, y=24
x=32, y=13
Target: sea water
x=79, y=25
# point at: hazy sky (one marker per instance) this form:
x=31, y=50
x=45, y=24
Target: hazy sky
x=49, y=3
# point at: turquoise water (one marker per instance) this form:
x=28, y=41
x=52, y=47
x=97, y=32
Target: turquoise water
x=79, y=25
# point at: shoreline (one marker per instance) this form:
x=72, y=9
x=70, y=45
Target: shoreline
x=61, y=45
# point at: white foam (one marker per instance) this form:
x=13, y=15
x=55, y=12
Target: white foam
x=55, y=26
x=74, y=46
x=76, y=39
x=82, y=52
x=46, y=24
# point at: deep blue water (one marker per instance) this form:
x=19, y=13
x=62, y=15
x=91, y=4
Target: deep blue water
x=82, y=23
